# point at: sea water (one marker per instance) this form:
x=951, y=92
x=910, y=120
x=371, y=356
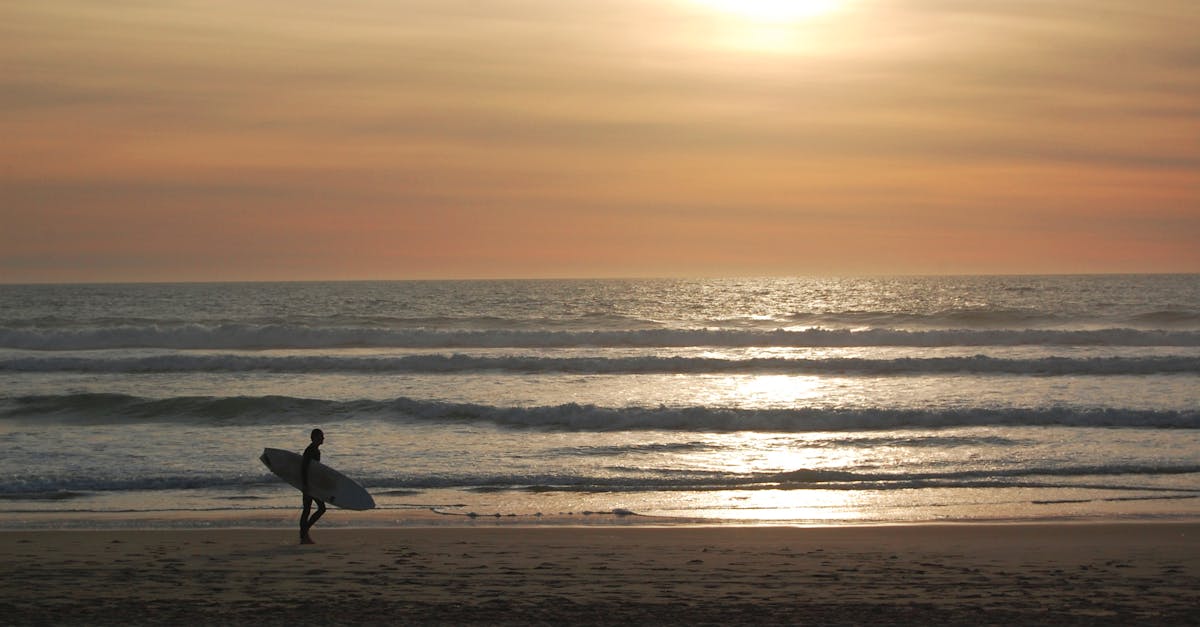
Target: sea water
x=796, y=400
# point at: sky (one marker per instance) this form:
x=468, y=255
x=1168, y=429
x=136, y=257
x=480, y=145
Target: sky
x=207, y=140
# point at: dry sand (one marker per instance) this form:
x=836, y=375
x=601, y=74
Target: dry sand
x=922, y=574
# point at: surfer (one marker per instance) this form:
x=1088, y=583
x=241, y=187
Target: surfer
x=311, y=454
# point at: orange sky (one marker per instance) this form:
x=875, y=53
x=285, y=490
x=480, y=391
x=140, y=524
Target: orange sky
x=389, y=139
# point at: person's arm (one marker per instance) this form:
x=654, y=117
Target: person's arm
x=304, y=472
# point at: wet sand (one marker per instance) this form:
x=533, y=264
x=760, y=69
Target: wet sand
x=1083, y=574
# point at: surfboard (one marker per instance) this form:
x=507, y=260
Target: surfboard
x=324, y=482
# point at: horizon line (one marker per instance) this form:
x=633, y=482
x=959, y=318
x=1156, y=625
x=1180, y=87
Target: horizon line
x=531, y=279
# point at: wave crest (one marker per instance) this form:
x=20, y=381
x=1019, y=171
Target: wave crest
x=240, y=336
x=120, y=408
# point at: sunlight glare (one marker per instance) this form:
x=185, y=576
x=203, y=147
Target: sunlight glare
x=773, y=10
x=778, y=390
x=774, y=26
x=793, y=470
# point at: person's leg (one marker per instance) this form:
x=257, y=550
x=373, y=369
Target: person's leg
x=317, y=515
x=304, y=522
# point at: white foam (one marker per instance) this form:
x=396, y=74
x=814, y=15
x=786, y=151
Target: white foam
x=241, y=336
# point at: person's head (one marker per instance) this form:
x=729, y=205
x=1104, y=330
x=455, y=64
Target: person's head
x=317, y=436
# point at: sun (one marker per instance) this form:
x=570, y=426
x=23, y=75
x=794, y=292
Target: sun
x=772, y=11
x=767, y=26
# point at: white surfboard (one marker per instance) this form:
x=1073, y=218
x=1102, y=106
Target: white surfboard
x=324, y=482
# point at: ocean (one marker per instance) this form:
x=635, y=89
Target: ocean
x=773, y=400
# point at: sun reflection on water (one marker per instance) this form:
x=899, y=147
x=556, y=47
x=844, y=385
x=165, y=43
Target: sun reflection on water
x=769, y=390
x=789, y=470
x=770, y=506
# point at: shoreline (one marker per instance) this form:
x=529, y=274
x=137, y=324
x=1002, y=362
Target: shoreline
x=932, y=573
x=427, y=518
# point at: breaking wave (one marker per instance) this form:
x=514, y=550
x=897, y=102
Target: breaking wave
x=52, y=487
x=241, y=336
x=119, y=408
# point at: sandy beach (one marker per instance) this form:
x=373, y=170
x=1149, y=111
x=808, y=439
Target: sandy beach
x=939, y=574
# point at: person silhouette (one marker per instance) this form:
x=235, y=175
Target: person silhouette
x=311, y=454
